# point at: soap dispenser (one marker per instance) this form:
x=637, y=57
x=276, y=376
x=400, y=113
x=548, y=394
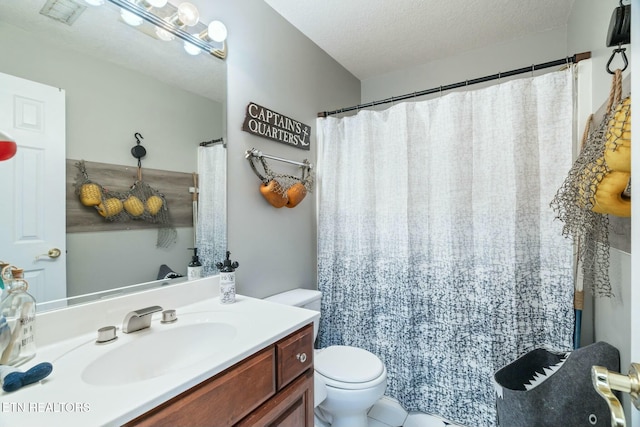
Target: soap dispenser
x=19, y=310
x=194, y=269
x=227, y=280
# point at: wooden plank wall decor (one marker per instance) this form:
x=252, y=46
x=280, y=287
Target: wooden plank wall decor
x=174, y=186
x=275, y=126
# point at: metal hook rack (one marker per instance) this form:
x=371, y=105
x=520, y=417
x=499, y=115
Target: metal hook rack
x=257, y=153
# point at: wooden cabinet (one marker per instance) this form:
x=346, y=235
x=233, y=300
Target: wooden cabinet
x=272, y=388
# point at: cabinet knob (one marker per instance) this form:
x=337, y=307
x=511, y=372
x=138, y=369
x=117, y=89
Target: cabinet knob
x=302, y=357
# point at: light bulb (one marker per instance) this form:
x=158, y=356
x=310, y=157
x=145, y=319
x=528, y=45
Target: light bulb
x=192, y=49
x=164, y=34
x=156, y=3
x=188, y=14
x=217, y=31
x=130, y=18
x=95, y=2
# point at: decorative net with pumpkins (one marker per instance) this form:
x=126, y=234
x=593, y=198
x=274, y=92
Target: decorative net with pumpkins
x=139, y=202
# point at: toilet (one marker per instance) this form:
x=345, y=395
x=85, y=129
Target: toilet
x=348, y=380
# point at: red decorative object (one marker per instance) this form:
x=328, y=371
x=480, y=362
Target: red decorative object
x=8, y=147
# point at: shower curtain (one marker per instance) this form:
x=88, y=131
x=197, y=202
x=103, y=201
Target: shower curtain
x=211, y=229
x=437, y=248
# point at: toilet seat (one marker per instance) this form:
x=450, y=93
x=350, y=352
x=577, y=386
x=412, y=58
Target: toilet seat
x=349, y=368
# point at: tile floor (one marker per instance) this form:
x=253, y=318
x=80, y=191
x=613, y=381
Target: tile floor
x=388, y=412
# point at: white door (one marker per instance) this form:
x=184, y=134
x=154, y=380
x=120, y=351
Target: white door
x=32, y=195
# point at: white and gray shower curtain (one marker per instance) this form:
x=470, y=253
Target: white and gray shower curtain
x=211, y=226
x=437, y=248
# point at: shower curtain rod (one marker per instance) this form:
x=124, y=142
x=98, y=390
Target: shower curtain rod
x=568, y=60
x=212, y=142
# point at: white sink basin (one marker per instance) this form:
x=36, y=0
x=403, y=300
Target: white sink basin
x=155, y=352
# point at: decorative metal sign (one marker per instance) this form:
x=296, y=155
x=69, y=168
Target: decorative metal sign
x=269, y=124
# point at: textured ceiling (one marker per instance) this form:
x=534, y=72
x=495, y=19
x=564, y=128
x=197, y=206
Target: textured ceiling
x=100, y=33
x=375, y=37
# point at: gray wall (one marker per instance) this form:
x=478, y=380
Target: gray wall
x=461, y=66
x=274, y=65
x=105, y=105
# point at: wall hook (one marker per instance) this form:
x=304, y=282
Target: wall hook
x=621, y=51
x=138, y=151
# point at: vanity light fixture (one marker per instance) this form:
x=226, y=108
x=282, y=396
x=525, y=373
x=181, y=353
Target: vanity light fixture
x=187, y=15
x=171, y=21
x=216, y=31
x=192, y=49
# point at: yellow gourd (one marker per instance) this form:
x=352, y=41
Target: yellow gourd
x=153, y=204
x=617, y=150
x=133, y=206
x=609, y=198
x=110, y=207
x=90, y=194
x=615, y=165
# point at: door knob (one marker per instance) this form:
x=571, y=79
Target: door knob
x=605, y=381
x=53, y=253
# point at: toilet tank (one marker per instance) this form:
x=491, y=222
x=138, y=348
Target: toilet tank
x=304, y=298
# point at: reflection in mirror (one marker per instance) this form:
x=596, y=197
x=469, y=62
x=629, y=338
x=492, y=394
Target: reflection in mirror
x=114, y=81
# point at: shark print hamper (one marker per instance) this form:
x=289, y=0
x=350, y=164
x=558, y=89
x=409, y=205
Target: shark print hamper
x=549, y=389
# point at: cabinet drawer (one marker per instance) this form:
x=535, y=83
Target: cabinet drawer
x=222, y=400
x=291, y=407
x=294, y=355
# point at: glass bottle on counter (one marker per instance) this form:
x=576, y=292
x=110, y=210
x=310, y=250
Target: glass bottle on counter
x=19, y=309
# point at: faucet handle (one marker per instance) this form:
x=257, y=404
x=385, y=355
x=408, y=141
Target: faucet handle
x=604, y=381
x=106, y=334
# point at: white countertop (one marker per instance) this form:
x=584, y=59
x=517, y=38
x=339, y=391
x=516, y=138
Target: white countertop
x=64, y=399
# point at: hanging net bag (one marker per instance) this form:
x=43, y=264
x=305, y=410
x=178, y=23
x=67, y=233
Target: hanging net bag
x=598, y=185
x=282, y=189
x=139, y=202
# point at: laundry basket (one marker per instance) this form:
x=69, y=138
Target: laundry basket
x=549, y=389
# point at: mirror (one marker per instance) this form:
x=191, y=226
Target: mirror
x=119, y=80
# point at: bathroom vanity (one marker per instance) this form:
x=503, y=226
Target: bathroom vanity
x=244, y=364
x=273, y=387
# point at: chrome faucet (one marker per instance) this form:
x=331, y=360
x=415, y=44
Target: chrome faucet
x=139, y=319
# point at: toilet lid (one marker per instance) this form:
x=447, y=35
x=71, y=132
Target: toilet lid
x=348, y=364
